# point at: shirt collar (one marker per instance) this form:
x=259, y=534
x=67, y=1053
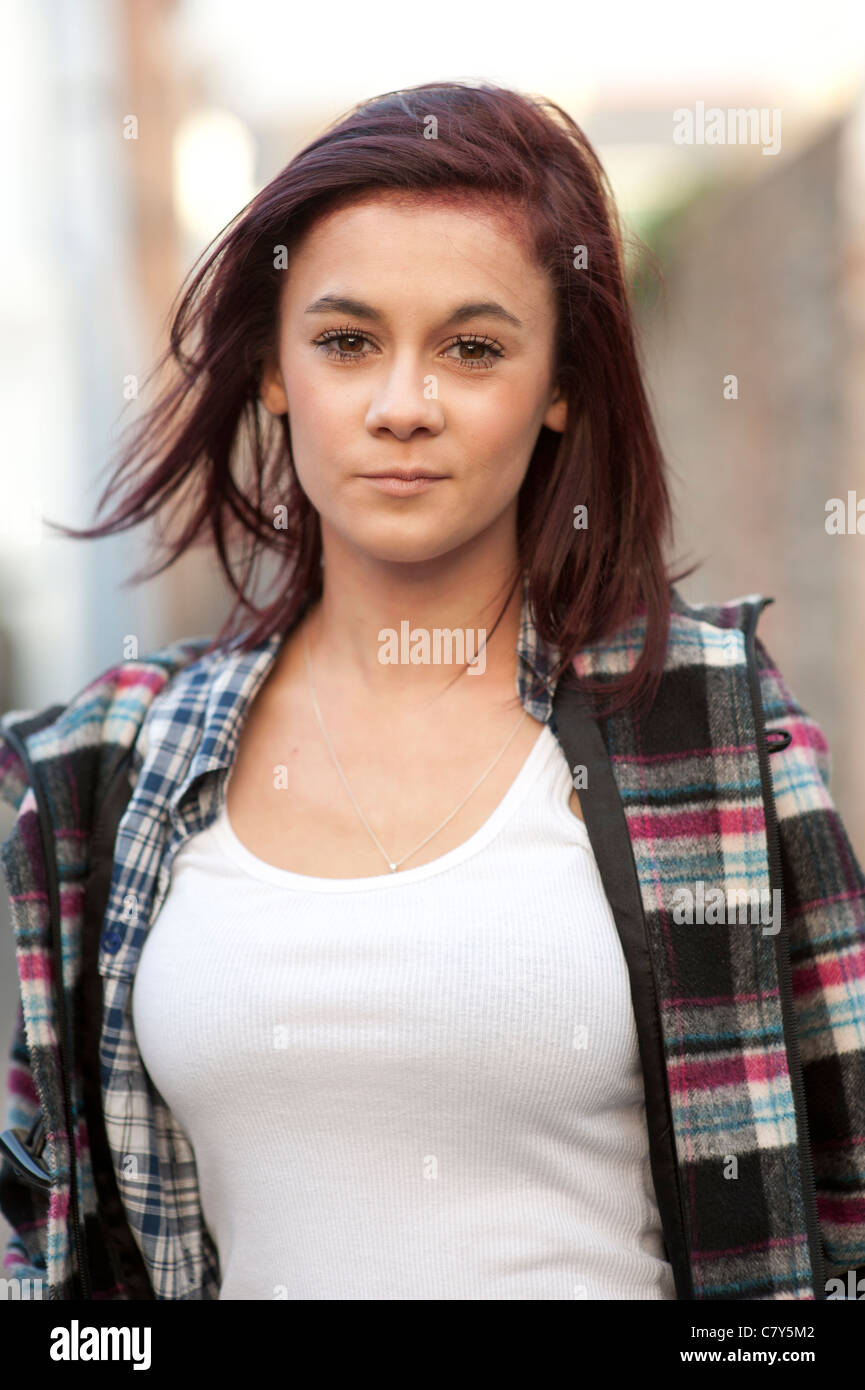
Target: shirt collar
x=214, y=694
x=536, y=661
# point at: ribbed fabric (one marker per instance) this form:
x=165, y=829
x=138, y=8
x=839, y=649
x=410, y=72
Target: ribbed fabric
x=421, y=1085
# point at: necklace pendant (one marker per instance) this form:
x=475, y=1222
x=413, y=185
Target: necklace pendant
x=390, y=864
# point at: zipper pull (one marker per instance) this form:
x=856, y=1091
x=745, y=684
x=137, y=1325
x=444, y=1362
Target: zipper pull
x=24, y=1151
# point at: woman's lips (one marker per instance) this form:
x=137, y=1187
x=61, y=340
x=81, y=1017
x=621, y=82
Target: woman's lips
x=402, y=487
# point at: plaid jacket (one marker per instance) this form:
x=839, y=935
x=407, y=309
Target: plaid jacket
x=751, y=1036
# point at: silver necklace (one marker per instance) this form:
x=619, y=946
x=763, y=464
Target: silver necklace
x=393, y=865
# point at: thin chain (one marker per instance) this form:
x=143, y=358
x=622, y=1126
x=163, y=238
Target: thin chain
x=393, y=865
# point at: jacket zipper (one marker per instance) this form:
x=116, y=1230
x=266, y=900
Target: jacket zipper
x=785, y=979
x=63, y=1031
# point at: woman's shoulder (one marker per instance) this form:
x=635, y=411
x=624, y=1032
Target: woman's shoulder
x=741, y=613
x=102, y=718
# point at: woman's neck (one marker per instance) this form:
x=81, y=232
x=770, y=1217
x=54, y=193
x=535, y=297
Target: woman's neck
x=402, y=633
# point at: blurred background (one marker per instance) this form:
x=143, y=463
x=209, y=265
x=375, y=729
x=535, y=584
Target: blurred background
x=134, y=130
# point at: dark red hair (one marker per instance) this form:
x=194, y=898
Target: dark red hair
x=210, y=429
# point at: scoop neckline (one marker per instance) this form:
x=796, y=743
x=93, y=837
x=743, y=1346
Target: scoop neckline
x=288, y=878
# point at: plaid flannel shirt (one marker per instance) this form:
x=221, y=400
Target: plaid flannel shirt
x=758, y=1103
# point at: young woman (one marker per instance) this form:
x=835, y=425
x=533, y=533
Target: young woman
x=401, y=959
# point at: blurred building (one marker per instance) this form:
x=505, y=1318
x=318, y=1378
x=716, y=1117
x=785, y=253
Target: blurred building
x=765, y=282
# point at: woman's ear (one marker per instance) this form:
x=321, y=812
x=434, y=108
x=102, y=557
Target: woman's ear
x=557, y=412
x=271, y=388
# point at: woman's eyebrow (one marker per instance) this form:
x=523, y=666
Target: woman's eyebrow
x=335, y=303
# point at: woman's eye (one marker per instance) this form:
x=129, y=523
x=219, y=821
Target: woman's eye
x=340, y=353
x=475, y=346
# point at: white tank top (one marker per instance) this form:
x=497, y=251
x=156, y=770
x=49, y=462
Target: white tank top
x=421, y=1085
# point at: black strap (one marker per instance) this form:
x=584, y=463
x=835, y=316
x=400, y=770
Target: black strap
x=114, y=1255
x=581, y=735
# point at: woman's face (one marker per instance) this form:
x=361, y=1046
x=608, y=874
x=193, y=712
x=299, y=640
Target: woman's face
x=374, y=377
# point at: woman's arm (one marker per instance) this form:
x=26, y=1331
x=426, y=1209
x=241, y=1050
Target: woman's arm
x=824, y=899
